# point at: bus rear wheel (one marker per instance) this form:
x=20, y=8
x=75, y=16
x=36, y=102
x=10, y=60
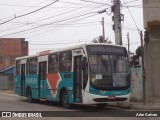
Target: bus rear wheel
x=29, y=95
x=65, y=99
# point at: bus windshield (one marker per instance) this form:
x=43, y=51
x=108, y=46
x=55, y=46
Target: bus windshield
x=108, y=69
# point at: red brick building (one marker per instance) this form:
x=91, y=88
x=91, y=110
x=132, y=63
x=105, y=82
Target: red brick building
x=10, y=48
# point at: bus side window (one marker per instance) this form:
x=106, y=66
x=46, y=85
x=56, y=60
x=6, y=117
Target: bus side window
x=53, y=63
x=17, y=72
x=65, y=61
x=27, y=67
x=33, y=64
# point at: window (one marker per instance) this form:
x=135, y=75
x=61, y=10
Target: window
x=100, y=64
x=33, y=66
x=65, y=61
x=27, y=67
x=53, y=63
x=18, y=65
x=100, y=70
x=120, y=64
x=42, y=70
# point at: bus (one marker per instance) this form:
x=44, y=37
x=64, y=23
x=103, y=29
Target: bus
x=92, y=73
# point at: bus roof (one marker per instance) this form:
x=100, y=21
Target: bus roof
x=65, y=49
x=81, y=45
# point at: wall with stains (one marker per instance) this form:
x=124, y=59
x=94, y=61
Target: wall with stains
x=137, y=84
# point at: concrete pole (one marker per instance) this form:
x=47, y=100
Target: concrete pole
x=128, y=46
x=103, y=30
x=143, y=69
x=117, y=22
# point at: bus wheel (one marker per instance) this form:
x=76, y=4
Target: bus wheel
x=65, y=99
x=29, y=95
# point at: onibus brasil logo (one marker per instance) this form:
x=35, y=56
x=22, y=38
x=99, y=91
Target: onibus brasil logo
x=21, y=114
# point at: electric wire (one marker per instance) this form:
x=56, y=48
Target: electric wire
x=27, y=13
x=40, y=26
x=21, y=11
x=93, y=2
x=48, y=24
x=44, y=25
x=144, y=5
x=44, y=32
x=29, y=23
x=132, y=16
x=130, y=2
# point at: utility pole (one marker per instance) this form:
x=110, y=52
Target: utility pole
x=117, y=18
x=128, y=46
x=103, y=30
x=143, y=69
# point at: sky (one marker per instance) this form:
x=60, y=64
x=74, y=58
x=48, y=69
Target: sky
x=51, y=24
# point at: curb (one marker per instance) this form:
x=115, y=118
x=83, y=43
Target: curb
x=148, y=106
x=139, y=106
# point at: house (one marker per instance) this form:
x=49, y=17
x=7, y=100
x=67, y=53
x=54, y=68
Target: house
x=10, y=48
x=152, y=49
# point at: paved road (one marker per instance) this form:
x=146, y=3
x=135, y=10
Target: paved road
x=12, y=102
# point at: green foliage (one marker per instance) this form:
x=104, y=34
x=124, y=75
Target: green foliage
x=139, y=51
x=135, y=58
x=100, y=40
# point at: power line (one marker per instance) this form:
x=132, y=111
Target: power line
x=28, y=13
x=144, y=5
x=131, y=16
x=50, y=23
x=46, y=44
x=70, y=3
x=41, y=6
x=20, y=5
x=93, y=2
x=23, y=10
x=66, y=12
x=29, y=23
x=43, y=24
x=47, y=25
x=57, y=43
x=44, y=32
x=130, y=2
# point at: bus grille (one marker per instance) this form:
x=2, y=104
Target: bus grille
x=109, y=100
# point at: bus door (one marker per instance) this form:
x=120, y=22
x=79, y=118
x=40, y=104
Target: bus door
x=78, y=78
x=23, y=79
x=42, y=79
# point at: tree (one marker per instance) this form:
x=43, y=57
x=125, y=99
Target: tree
x=100, y=40
x=135, y=58
x=139, y=51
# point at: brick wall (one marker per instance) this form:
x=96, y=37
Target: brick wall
x=10, y=48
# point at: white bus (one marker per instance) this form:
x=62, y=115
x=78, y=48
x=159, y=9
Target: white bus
x=95, y=73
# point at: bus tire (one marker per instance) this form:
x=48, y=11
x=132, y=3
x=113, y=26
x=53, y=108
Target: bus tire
x=65, y=100
x=29, y=95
